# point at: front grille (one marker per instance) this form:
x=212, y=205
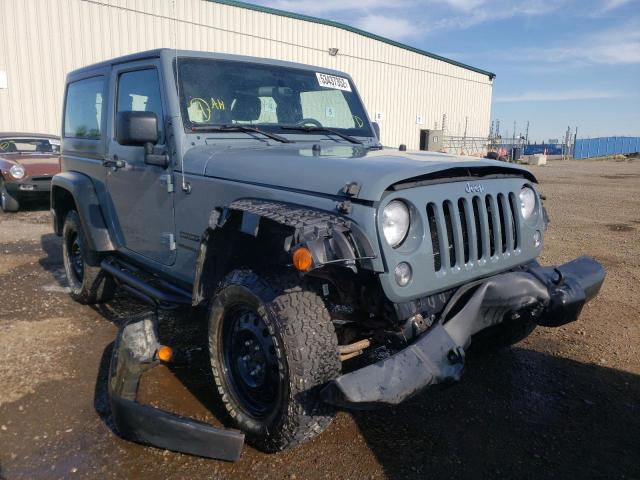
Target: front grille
x=38, y=179
x=468, y=230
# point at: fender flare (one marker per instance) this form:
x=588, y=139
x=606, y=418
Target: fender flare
x=332, y=239
x=81, y=188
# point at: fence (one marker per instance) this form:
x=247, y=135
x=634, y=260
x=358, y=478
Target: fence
x=476, y=146
x=599, y=147
x=548, y=148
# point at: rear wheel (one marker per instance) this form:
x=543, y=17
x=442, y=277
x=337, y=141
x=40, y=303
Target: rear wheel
x=8, y=203
x=272, y=347
x=88, y=283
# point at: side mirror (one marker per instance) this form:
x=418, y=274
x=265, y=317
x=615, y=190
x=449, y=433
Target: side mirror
x=376, y=129
x=136, y=128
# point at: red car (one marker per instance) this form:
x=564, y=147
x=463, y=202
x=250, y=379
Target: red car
x=27, y=163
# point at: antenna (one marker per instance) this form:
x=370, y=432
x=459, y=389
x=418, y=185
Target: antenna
x=185, y=186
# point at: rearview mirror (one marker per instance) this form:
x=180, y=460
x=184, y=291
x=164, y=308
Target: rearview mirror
x=136, y=128
x=376, y=129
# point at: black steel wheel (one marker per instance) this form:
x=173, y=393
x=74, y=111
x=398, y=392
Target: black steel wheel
x=272, y=347
x=75, y=256
x=250, y=361
x=88, y=283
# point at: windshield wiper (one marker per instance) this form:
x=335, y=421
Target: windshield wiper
x=239, y=128
x=302, y=128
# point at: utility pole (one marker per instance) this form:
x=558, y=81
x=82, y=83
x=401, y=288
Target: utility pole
x=497, y=128
x=514, y=131
x=526, y=135
x=565, y=144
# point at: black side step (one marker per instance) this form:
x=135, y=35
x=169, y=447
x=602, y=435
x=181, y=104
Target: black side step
x=168, y=297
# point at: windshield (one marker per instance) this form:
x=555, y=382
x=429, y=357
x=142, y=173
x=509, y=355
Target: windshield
x=220, y=92
x=29, y=145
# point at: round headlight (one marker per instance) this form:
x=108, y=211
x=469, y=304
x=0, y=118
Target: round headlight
x=395, y=222
x=17, y=171
x=527, y=201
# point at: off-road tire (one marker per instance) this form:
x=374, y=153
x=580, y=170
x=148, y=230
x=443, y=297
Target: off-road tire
x=8, y=203
x=503, y=335
x=306, y=349
x=93, y=285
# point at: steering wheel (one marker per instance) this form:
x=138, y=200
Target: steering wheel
x=306, y=121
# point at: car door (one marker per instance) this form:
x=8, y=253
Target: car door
x=140, y=194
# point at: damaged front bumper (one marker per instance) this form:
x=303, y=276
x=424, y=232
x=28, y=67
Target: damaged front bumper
x=551, y=296
x=134, y=353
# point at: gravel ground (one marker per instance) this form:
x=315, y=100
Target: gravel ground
x=564, y=403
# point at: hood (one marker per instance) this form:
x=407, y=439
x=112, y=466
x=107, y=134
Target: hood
x=328, y=171
x=34, y=164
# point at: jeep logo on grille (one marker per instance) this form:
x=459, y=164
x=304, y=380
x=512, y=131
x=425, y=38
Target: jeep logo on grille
x=474, y=188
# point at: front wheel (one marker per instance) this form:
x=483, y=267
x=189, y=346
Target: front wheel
x=272, y=348
x=88, y=283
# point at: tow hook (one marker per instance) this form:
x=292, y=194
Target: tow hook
x=456, y=355
x=136, y=350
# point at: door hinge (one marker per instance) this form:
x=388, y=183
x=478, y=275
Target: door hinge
x=170, y=240
x=168, y=181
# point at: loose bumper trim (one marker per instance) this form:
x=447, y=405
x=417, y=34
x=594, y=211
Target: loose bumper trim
x=551, y=296
x=134, y=353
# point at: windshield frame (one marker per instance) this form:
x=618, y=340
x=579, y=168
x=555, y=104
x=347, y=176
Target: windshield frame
x=367, y=132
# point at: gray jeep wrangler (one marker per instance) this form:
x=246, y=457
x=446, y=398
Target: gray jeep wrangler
x=336, y=272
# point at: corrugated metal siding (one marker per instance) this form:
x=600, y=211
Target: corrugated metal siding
x=41, y=40
x=602, y=146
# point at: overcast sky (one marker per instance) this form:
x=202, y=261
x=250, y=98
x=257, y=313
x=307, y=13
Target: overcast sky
x=558, y=63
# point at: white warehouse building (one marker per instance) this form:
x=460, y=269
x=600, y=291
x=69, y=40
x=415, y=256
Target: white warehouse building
x=405, y=89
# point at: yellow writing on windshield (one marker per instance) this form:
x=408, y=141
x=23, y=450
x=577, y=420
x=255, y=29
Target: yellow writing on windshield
x=200, y=109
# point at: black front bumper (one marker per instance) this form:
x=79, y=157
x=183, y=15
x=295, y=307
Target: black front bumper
x=134, y=352
x=553, y=296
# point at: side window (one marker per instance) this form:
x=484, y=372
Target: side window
x=139, y=91
x=83, y=110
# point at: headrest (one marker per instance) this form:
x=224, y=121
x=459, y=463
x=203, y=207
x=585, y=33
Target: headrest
x=45, y=147
x=246, y=108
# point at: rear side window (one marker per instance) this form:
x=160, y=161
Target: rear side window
x=139, y=91
x=83, y=111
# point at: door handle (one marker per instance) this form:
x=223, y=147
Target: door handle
x=115, y=163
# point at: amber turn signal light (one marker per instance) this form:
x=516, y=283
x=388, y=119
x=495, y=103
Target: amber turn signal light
x=302, y=259
x=165, y=354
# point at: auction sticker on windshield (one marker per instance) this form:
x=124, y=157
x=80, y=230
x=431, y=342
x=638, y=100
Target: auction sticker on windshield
x=331, y=81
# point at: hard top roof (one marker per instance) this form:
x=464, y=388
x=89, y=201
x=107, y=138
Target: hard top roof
x=169, y=53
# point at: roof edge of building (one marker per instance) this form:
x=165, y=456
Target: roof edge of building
x=331, y=23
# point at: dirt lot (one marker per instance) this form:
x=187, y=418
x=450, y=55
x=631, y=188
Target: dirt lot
x=565, y=403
